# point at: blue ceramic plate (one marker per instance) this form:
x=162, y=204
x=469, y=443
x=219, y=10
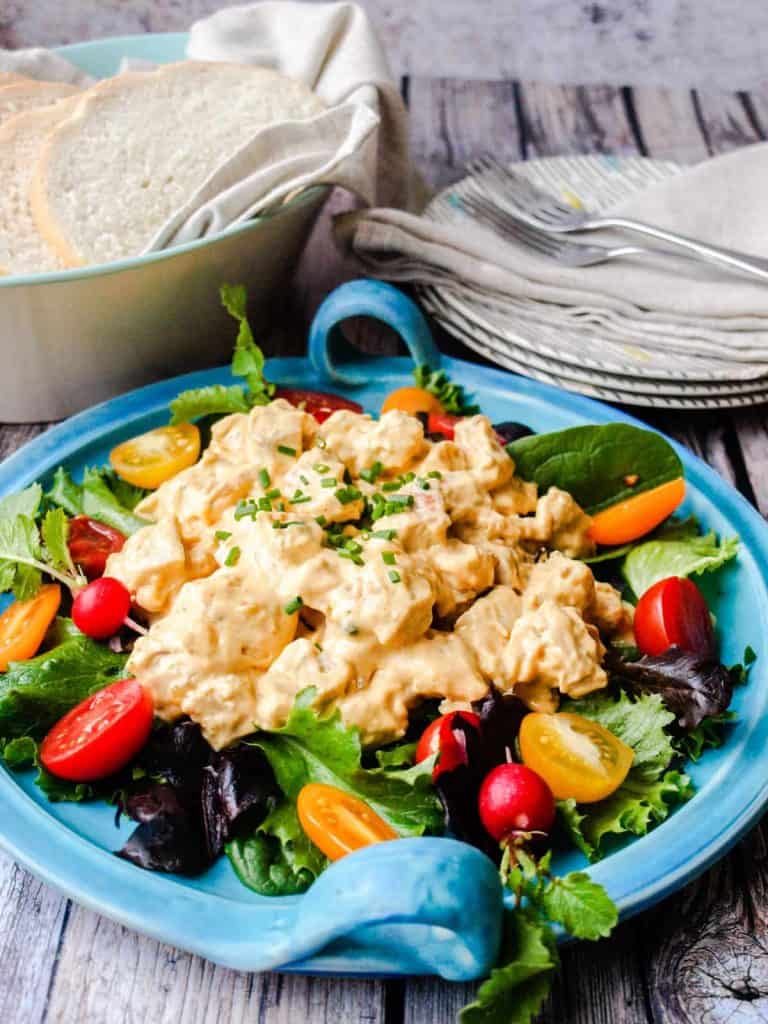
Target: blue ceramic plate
x=414, y=906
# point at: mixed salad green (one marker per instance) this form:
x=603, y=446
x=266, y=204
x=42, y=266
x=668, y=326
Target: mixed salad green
x=666, y=702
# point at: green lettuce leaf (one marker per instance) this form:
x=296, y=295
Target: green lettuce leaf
x=515, y=991
x=55, y=531
x=214, y=400
x=22, y=753
x=708, y=734
x=399, y=756
x=277, y=859
x=647, y=794
x=36, y=693
x=20, y=557
x=101, y=495
x=657, y=559
x=23, y=503
x=311, y=748
x=248, y=360
x=593, y=463
x=450, y=395
x=581, y=906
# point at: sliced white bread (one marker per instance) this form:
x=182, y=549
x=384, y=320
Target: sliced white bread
x=23, y=250
x=13, y=77
x=139, y=145
x=20, y=96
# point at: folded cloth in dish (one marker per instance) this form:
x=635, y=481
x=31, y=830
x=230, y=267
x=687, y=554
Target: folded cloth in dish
x=359, y=143
x=723, y=201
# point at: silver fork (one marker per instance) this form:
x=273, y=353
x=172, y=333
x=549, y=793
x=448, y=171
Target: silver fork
x=546, y=212
x=570, y=254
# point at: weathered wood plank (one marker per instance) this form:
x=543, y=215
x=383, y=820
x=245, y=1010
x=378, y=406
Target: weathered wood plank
x=669, y=124
x=575, y=119
x=454, y=121
x=107, y=973
x=725, y=120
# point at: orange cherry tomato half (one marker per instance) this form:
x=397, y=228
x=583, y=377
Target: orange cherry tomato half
x=152, y=458
x=100, y=735
x=337, y=822
x=412, y=400
x=673, y=611
x=575, y=756
x=24, y=624
x=638, y=515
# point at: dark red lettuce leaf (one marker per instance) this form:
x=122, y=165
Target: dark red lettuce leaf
x=193, y=799
x=458, y=789
x=693, y=687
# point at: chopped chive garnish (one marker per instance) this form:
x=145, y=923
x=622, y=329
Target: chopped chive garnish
x=435, y=474
x=265, y=505
x=222, y=535
x=233, y=557
x=293, y=606
x=285, y=449
x=281, y=506
x=321, y=520
x=274, y=493
x=388, y=557
x=373, y=472
x=246, y=508
x=385, y=534
x=350, y=629
x=264, y=478
x=353, y=546
x=300, y=499
x=320, y=467
x=317, y=647
x=303, y=479
x=329, y=481
x=425, y=486
x=394, y=575
x=350, y=555
x=348, y=494
x=392, y=485
x=409, y=477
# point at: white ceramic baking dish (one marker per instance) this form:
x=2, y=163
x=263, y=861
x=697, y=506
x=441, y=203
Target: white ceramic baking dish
x=73, y=338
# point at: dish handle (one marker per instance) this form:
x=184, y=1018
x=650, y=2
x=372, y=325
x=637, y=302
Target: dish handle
x=415, y=906
x=376, y=299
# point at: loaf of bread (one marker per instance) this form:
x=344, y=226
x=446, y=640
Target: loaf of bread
x=140, y=144
x=22, y=248
x=18, y=96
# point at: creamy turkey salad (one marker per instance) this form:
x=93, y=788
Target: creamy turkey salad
x=284, y=628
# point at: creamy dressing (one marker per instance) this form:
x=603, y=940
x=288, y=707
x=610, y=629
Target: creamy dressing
x=259, y=578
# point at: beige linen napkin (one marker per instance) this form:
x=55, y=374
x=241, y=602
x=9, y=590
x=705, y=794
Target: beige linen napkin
x=723, y=201
x=359, y=143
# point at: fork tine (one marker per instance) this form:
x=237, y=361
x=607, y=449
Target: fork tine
x=519, y=190
x=508, y=226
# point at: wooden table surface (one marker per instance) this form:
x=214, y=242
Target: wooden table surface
x=701, y=956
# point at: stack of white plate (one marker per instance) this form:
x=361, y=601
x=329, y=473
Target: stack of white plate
x=563, y=346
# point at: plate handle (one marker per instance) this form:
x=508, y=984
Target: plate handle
x=422, y=906
x=376, y=299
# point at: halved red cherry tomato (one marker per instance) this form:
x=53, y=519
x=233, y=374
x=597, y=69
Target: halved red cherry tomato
x=442, y=423
x=673, y=611
x=101, y=734
x=413, y=400
x=91, y=543
x=337, y=822
x=152, y=458
x=100, y=609
x=577, y=758
x=318, y=403
x=439, y=738
x=638, y=515
x=24, y=623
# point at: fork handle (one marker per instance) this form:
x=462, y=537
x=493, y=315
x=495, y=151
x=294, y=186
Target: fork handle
x=752, y=265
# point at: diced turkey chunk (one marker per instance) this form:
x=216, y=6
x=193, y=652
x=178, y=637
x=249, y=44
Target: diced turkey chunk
x=560, y=579
x=488, y=462
x=152, y=565
x=559, y=523
x=394, y=441
x=486, y=627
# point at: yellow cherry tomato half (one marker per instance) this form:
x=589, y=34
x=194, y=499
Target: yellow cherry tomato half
x=638, y=515
x=412, y=400
x=337, y=822
x=152, y=458
x=24, y=623
x=576, y=757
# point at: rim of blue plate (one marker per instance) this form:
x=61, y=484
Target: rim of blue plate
x=153, y=46
x=635, y=883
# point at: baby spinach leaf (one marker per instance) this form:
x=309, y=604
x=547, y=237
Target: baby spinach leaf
x=311, y=748
x=36, y=693
x=277, y=859
x=594, y=463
